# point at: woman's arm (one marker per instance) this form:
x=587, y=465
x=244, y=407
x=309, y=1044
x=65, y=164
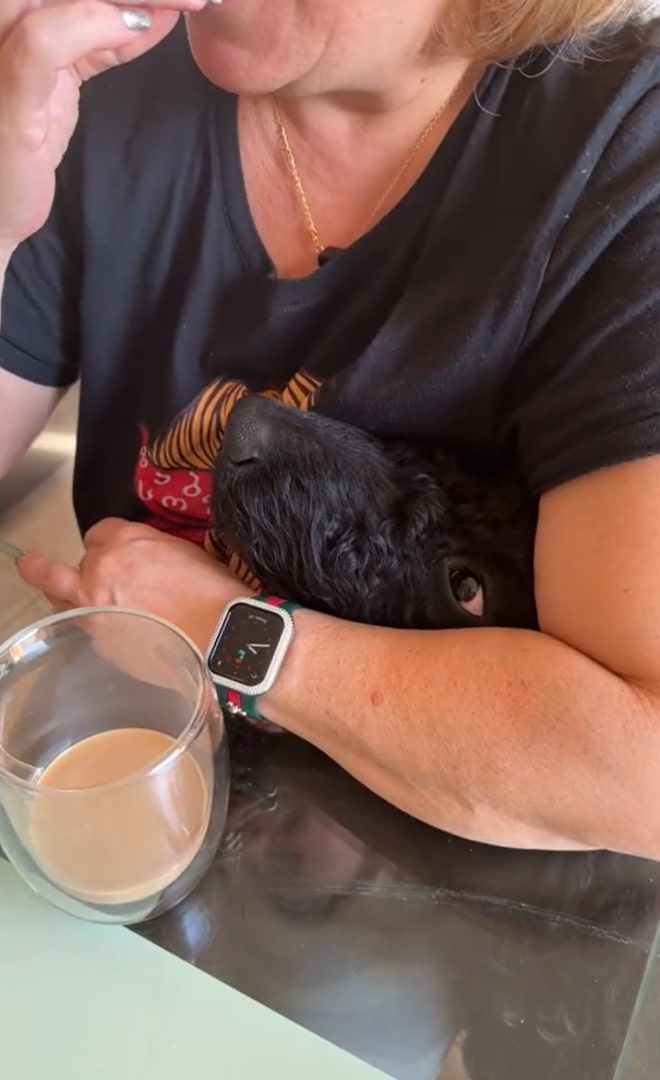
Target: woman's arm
x=524, y=739
x=46, y=52
x=529, y=740
x=24, y=406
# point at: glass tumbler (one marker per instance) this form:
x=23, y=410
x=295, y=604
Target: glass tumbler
x=20, y=605
x=114, y=773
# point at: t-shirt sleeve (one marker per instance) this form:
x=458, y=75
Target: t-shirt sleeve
x=587, y=383
x=39, y=324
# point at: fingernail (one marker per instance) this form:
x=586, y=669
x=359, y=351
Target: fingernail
x=136, y=20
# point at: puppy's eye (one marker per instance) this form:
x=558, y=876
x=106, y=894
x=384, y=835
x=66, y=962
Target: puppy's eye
x=468, y=590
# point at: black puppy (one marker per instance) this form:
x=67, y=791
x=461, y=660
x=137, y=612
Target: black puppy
x=376, y=532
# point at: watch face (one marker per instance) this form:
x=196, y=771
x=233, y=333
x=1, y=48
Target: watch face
x=245, y=645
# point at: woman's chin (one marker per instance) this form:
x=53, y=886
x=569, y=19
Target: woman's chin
x=241, y=55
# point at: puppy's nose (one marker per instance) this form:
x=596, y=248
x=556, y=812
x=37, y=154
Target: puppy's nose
x=246, y=434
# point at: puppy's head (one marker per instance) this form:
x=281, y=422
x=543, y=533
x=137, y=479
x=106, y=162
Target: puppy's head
x=371, y=531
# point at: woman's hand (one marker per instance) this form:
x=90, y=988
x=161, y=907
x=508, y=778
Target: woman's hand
x=47, y=50
x=135, y=566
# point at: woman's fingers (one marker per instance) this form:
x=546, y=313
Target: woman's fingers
x=47, y=49
x=48, y=40
x=165, y=5
x=12, y=10
x=59, y=582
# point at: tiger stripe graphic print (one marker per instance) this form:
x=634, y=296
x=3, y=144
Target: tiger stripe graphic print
x=194, y=438
x=173, y=476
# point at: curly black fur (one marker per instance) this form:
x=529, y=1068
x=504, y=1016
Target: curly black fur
x=371, y=531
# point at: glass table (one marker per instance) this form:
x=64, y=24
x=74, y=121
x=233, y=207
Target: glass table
x=640, y=1057
x=428, y=957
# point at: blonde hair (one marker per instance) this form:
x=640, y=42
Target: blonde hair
x=501, y=30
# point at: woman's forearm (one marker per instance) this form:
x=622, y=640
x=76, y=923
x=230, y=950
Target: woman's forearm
x=502, y=736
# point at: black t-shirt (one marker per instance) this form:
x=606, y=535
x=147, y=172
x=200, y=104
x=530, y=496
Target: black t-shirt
x=509, y=306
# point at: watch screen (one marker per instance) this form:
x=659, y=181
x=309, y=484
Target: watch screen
x=246, y=644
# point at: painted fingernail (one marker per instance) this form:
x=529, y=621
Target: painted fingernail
x=136, y=20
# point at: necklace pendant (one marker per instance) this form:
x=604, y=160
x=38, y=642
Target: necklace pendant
x=327, y=254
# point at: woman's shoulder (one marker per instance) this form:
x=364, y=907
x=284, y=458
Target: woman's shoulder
x=564, y=131
x=580, y=82
x=634, y=47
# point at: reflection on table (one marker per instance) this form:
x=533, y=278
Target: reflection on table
x=431, y=958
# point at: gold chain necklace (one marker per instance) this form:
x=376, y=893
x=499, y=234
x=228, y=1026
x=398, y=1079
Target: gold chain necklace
x=320, y=249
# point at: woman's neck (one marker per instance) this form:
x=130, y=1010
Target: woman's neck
x=348, y=149
x=408, y=100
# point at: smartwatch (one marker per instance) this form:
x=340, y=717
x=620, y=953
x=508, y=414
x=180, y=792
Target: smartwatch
x=247, y=651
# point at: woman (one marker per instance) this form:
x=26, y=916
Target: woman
x=355, y=202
